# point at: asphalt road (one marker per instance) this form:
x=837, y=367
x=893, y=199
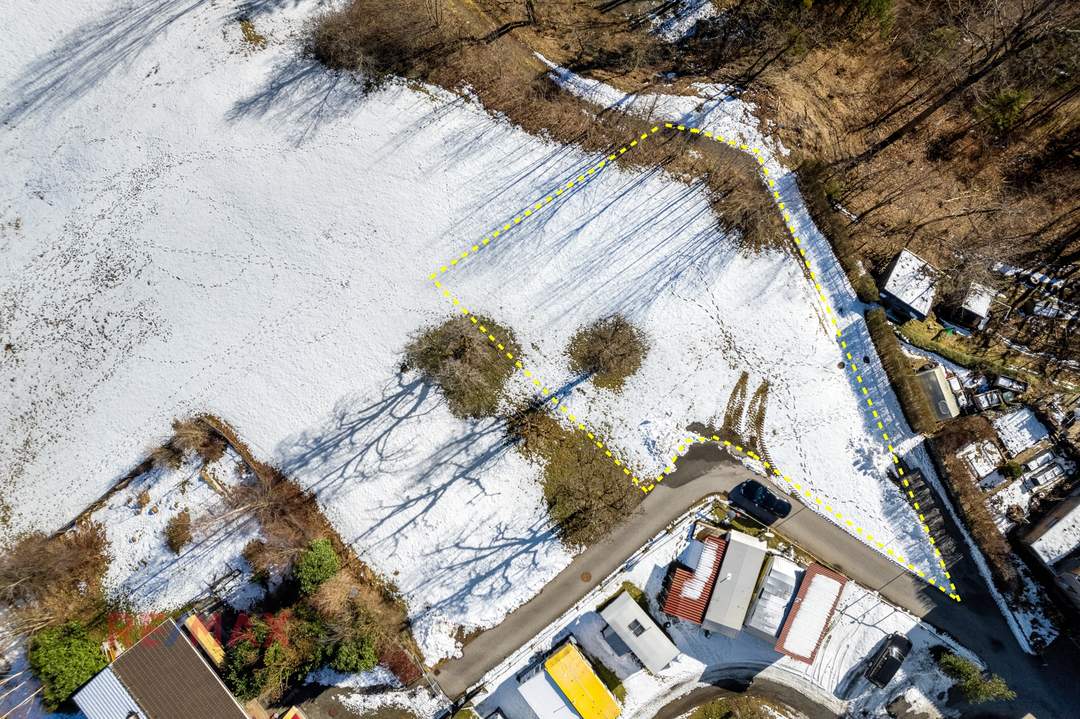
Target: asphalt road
x=779, y=693
x=1048, y=687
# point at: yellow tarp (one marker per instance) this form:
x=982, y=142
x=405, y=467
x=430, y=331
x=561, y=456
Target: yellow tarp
x=577, y=680
x=206, y=640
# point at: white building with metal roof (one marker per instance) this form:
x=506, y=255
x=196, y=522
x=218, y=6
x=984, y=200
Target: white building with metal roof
x=735, y=583
x=910, y=285
x=639, y=632
x=773, y=598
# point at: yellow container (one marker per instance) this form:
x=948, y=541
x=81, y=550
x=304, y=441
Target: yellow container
x=572, y=673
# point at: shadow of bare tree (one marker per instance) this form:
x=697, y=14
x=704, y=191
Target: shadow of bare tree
x=367, y=457
x=83, y=57
x=301, y=95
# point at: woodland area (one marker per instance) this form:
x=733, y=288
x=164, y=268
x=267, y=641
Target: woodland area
x=948, y=128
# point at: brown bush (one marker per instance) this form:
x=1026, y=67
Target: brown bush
x=256, y=554
x=143, y=499
x=195, y=435
x=398, y=661
x=49, y=580
x=379, y=39
x=740, y=199
x=587, y=495
x=467, y=365
x=334, y=597
x=166, y=456
x=970, y=498
x=337, y=39
x=178, y=531
x=610, y=350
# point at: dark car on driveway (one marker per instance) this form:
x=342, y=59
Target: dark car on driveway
x=887, y=660
x=761, y=504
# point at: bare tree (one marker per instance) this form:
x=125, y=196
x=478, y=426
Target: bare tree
x=1013, y=29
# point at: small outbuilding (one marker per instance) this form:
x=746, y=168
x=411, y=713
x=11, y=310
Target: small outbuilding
x=935, y=385
x=974, y=311
x=809, y=617
x=910, y=285
x=735, y=583
x=773, y=598
x=1055, y=540
x=988, y=400
x=1020, y=430
x=690, y=583
x=639, y=632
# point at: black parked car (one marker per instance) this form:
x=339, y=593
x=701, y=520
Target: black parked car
x=761, y=504
x=887, y=660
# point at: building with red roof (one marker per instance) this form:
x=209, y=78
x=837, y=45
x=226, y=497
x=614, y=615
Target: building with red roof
x=810, y=613
x=690, y=587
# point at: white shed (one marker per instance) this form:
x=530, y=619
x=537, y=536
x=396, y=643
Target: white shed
x=735, y=583
x=910, y=285
x=770, y=604
x=639, y=632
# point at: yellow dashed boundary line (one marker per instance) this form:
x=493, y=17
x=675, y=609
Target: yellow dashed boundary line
x=645, y=486
x=540, y=204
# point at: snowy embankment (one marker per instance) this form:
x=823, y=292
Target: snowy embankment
x=833, y=681
x=680, y=21
x=202, y=226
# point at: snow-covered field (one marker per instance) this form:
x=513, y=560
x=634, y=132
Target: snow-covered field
x=834, y=680
x=194, y=225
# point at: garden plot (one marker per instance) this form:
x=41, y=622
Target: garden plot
x=143, y=571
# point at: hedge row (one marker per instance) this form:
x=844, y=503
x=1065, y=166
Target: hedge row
x=913, y=400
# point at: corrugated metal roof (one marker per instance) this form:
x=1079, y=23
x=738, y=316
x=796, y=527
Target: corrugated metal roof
x=735, y=584
x=104, y=697
x=169, y=678
x=911, y=280
x=577, y=680
x=690, y=605
x=544, y=698
x=821, y=623
x=770, y=606
x=646, y=640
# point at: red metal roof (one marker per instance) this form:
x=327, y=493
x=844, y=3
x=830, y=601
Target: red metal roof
x=691, y=608
x=812, y=571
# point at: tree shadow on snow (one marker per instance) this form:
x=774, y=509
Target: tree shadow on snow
x=354, y=443
x=85, y=56
x=363, y=441
x=662, y=241
x=301, y=95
